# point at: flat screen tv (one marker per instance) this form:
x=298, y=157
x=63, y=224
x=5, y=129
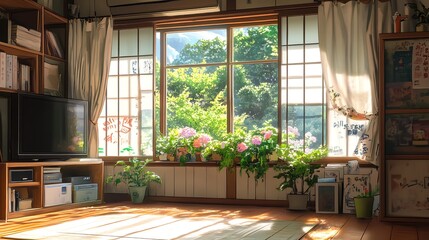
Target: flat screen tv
x=49, y=128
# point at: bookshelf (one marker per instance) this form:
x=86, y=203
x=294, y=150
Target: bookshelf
x=36, y=190
x=38, y=17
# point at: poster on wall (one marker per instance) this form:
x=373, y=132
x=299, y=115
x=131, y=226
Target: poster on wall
x=354, y=184
x=407, y=188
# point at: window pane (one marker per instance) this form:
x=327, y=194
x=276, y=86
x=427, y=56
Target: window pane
x=255, y=43
x=146, y=65
x=312, y=53
x=284, y=55
x=196, y=98
x=195, y=47
x=134, y=86
x=113, y=70
x=128, y=66
x=296, y=54
x=124, y=89
x=284, y=31
x=314, y=123
x=145, y=41
x=295, y=30
x=145, y=82
x=128, y=127
x=128, y=42
x=311, y=29
x=101, y=136
x=255, y=95
x=112, y=87
x=115, y=43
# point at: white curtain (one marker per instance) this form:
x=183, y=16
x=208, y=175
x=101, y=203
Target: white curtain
x=89, y=52
x=348, y=37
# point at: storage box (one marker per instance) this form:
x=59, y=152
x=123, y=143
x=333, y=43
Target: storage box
x=57, y=194
x=25, y=204
x=85, y=192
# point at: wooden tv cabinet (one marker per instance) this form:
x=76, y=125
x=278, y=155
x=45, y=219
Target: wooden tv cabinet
x=35, y=188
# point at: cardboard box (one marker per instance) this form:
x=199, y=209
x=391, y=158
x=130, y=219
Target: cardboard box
x=85, y=192
x=57, y=194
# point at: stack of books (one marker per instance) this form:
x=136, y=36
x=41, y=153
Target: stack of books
x=53, y=47
x=27, y=38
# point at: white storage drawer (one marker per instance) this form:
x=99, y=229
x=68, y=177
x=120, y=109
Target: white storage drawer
x=57, y=194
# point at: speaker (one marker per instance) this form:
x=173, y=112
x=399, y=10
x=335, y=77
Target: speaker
x=21, y=175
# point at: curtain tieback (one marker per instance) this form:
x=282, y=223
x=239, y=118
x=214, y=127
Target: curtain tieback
x=93, y=123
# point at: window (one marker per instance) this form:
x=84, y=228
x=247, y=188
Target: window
x=125, y=124
x=218, y=79
x=303, y=94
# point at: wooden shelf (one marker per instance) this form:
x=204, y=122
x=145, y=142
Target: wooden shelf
x=14, y=5
x=36, y=190
x=53, y=18
x=24, y=184
x=21, y=52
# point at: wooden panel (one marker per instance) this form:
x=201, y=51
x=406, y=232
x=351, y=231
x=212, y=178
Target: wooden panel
x=212, y=182
x=3, y=192
x=221, y=183
x=251, y=186
x=168, y=181
x=108, y=187
x=190, y=181
x=231, y=185
x=378, y=230
x=179, y=181
x=242, y=185
x=200, y=183
x=245, y=4
x=156, y=189
x=353, y=229
x=260, y=188
x=271, y=184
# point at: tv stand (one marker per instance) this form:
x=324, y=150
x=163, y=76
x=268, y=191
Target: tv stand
x=35, y=188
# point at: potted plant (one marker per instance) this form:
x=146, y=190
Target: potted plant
x=135, y=175
x=200, y=143
x=256, y=150
x=364, y=203
x=295, y=167
x=422, y=16
x=224, y=150
x=166, y=147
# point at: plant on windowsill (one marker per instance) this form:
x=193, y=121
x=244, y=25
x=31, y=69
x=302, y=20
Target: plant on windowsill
x=296, y=169
x=225, y=150
x=256, y=150
x=200, y=143
x=166, y=147
x=185, y=145
x=136, y=176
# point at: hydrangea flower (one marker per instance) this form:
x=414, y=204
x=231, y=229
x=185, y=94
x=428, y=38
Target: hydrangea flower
x=241, y=147
x=256, y=140
x=187, y=132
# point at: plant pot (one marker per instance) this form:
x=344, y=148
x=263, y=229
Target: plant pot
x=200, y=157
x=297, y=201
x=163, y=157
x=363, y=206
x=422, y=27
x=137, y=194
x=171, y=157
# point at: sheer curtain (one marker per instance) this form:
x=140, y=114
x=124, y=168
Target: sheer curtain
x=90, y=47
x=348, y=36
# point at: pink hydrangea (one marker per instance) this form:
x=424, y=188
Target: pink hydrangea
x=267, y=134
x=204, y=139
x=187, y=132
x=293, y=130
x=241, y=147
x=256, y=140
x=197, y=143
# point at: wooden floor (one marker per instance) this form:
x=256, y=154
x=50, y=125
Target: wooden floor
x=330, y=226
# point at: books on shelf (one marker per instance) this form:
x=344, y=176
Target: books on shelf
x=24, y=77
x=51, y=76
x=3, y=69
x=27, y=38
x=8, y=71
x=53, y=46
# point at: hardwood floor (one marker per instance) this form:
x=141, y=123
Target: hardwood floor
x=330, y=226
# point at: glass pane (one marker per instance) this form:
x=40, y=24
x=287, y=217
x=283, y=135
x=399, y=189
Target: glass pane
x=115, y=43
x=146, y=41
x=295, y=123
x=128, y=66
x=311, y=29
x=284, y=30
x=146, y=65
x=128, y=127
x=146, y=110
x=124, y=107
x=194, y=47
x=124, y=87
x=255, y=43
x=255, y=95
x=284, y=55
x=313, y=70
x=128, y=42
x=101, y=136
x=112, y=87
x=314, y=123
x=313, y=94
x=196, y=98
x=134, y=86
x=312, y=53
x=295, y=93
x=111, y=129
x=113, y=70
x=295, y=71
x=112, y=107
x=295, y=30
x=134, y=107
x=296, y=54
x=145, y=82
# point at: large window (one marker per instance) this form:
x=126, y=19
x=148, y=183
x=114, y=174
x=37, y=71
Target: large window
x=218, y=79
x=126, y=123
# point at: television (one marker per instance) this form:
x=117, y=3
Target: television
x=49, y=128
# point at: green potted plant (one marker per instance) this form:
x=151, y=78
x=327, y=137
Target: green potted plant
x=295, y=167
x=364, y=203
x=256, y=150
x=422, y=16
x=225, y=150
x=136, y=176
x=166, y=147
